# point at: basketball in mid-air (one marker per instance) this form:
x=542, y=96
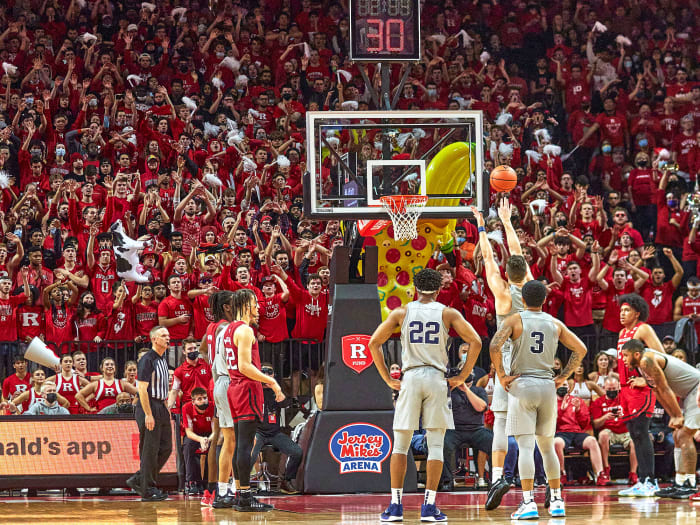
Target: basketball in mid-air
x=503, y=178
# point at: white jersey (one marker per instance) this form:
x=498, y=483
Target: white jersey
x=424, y=336
x=219, y=366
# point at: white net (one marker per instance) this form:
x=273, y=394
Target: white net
x=404, y=211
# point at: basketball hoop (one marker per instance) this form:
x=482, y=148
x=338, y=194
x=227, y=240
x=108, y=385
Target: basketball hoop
x=404, y=211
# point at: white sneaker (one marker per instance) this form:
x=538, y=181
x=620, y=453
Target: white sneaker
x=556, y=508
x=526, y=511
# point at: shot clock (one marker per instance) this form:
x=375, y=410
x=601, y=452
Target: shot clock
x=384, y=30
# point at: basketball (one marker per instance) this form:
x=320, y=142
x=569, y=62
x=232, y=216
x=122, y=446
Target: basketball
x=503, y=178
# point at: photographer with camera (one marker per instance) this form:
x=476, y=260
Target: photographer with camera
x=606, y=416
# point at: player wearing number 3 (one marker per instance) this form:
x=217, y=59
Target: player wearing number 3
x=424, y=391
x=532, y=405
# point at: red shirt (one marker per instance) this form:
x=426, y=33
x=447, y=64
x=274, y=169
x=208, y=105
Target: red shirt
x=145, y=317
x=88, y=328
x=58, y=325
x=106, y=395
x=8, y=316
x=311, y=313
x=476, y=308
x=30, y=322
x=666, y=233
x=660, y=301
x=273, y=319
x=119, y=325
x=690, y=306
x=198, y=422
x=14, y=386
x=202, y=315
x=101, y=282
x=578, y=302
x=232, y=353
x=192, y=376
x=602, y=406
x=641, y=186
x=611, y=321
x=170, y=308
x=612, y=128
x=574, y=417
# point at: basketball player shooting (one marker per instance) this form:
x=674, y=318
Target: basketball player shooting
x=508, y=300
x=532, y=407
x=424, y=393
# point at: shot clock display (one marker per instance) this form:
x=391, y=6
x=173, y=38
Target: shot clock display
x=384, y=30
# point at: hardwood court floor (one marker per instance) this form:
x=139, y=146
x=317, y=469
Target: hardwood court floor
x=584, y=506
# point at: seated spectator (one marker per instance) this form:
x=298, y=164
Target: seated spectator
x=124, y=405
x=18, y=382
x=48, y=404
x=603, y=368
x=606, y=416
x=583, y=388
x=469, y=402
x=31, y=396
x=573, y=418
x=197, y=417
x=105, y=390
x=269, y=432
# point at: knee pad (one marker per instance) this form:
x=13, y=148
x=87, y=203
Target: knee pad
x=435, y=440
x=402, y=441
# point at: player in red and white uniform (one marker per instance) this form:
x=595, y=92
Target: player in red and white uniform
x=68, y=384
x=636, y=397
x=689, y=305
x=245, y=394
x=106, y=389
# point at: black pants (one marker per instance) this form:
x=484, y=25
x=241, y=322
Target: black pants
x=8, y=351
x=639, y=432
x=193, y=471
x=479, y=439
x=155, y=446
x=285, y=445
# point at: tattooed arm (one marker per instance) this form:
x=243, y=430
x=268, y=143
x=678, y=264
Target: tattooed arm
x=571, y=341
x=650, y=367
x=512, y=328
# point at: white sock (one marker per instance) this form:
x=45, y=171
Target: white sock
x=223, y=488
x=556, y=493
x=232, y=488
x=680, y=478
x=429, y=497
x=396, y=495
x=690, y=478
x=677, y=458
x=497, y=473
x=527, y=496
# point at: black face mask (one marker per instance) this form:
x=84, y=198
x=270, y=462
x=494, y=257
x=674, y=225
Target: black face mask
x=287, y=96
x=153, y=231
x=561, y=222
x=202, y=407
x=124, y=408
x=556, y=371
x=562, y=391
x=193, y=355
x=51, y=397
x=183, y=69
x=642, y=163
x=612, y=394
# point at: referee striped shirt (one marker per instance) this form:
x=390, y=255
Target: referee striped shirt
x=153, y=369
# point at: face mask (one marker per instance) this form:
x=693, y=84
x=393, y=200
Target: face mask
x=193, y=355
x=460, y=240
x=153, y=231
x=287, y=96
x=561, y=222
x=612, y=394
x=60, y=152
x=672, y=203
x=183, y=68
x=51, y=397
x=562, y=391
x=432, y=92
x=643, y=143
x=36, y=153
x=395, y=374
x=642, y=163
x=30, y=101
x=220, y=55
x=607, y=149
x=124, y=408
x=202, y=407
x=628, y=64
x=93, y=102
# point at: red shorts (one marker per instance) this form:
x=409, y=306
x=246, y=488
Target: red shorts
x=637, y=401
x=245, y=397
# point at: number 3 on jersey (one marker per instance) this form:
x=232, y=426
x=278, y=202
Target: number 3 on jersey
x=428, y=333
x=538, y=338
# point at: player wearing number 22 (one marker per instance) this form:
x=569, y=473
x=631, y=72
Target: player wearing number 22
x=532, y=405
x=424, y=391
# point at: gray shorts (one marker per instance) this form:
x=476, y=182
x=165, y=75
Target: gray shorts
x=532, y=407
x=223, y=409
x=691, y=411
x=424, y=394
x=499, y=401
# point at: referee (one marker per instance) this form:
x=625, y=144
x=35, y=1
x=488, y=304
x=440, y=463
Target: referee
x=152, y=417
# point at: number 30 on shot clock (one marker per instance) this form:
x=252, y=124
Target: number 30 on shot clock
x=384, y=30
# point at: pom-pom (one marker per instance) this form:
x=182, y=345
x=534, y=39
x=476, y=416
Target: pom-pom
x=147, y=5
x=210, y=179
x=307, y=50
x=418, y=133
x=495, y=236
x=87, y=38
x=234, y=138
x=211, y=130
x=217, y=83
x=542, y=135
x=493, y=149
x=231, y=124
x=538, y=206
x=4, y=180
x=345, y=74
x=402, y=138
x=10, y=69
x=505, y=150
x=81, y=3
x=241, y=80
x=248, y=165
x=599, y=28
x=664, y=154
x=682, y=36
x=179, y=12
x=623, y=40
x=440, y=39
x=533, y=156
x=333, y=141
x=254, y=113
x=552, y=150
x=493, y=214
x=504, y=119
x=484, y=57
x=466, y=39
x=191, y=104
x=349, y=105
x=230, y=63
x=134, y=80
x=282, y=161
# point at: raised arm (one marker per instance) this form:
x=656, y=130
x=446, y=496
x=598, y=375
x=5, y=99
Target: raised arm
x=493, y=273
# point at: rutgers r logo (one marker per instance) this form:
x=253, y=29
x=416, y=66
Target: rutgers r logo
x=356, y=354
